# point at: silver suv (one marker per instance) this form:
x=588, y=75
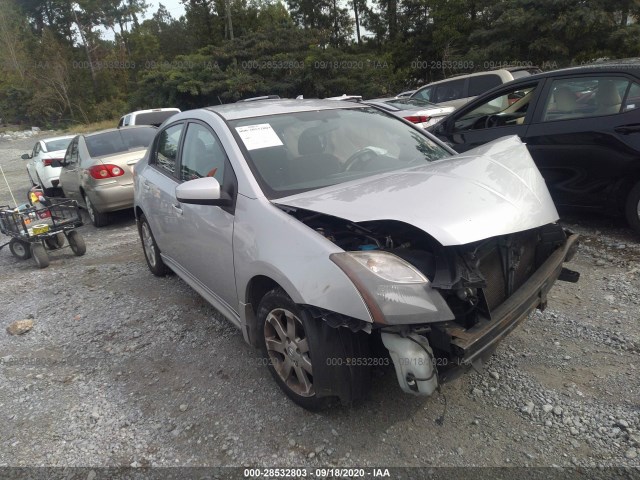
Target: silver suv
x=324, y=230
x=458, y=90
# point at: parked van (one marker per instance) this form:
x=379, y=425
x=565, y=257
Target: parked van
x=458, y=90
x=154, y=117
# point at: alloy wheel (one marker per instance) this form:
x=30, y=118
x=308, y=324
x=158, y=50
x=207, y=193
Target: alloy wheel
x=148, y=246
x=288, y=350
x=90, y=211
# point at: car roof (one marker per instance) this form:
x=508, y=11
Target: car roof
x=235, y=111
x=499, y=71
x=52, y=139
x=116, y=129
x=609, y=66
x=167, y=109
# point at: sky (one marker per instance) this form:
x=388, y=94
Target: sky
x=175, y=7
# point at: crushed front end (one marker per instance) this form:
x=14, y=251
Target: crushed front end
x=434, y=306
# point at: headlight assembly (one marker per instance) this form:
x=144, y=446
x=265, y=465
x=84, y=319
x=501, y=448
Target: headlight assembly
x=394, y=291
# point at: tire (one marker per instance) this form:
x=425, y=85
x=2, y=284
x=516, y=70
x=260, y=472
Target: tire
x=20, y=249
x=33, y=184
x=632, y=209
x=47, y=192
x=55, y=242
x=39, y=255
x=150, y=248
x=76, y=242
x=98, y=219
x=298, y=348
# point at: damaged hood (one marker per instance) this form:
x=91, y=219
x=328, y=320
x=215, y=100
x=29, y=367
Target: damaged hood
x=492, y=190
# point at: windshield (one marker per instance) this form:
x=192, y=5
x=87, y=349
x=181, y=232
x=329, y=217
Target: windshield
x=295, y=152
x=118, y=141
x=55, y=145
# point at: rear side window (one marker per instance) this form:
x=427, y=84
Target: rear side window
x=633, y=98
x=589, y=96
x=448, y=91
x=483, y=83
x=166, y=152
x=424, y=94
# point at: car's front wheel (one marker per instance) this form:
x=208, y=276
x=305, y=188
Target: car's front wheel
x=633, y=208
x=306, y=357
x=98, y=219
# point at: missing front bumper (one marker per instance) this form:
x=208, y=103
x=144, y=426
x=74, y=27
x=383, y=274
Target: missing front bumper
x=471, y=344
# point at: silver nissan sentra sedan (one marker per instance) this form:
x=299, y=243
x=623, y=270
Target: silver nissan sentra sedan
x=339, y=238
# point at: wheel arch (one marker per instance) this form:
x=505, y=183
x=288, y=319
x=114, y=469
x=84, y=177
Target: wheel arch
x=256, y=289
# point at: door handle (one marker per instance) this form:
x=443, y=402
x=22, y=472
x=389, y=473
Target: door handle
x=625, y=129
x=145, y=185
x=177, y=209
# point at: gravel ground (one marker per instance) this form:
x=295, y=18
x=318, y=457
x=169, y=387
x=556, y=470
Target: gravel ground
x=122, y=368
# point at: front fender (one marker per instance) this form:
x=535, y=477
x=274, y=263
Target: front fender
x=270, y=243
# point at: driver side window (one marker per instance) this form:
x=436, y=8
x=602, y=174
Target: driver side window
x=36, y=150
x=507, y=108
x=202, y=154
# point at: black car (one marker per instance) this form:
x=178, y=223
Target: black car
x=582, y=127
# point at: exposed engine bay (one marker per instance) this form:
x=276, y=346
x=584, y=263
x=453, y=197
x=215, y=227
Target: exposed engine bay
x=474, y=279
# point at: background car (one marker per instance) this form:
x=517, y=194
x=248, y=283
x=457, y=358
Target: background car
x=43, y=166
x=406, y=93
x=581, y=125
x=97, y=169
x=324, y=229
x=460, y=89
x=417, y=111
x=153, y=117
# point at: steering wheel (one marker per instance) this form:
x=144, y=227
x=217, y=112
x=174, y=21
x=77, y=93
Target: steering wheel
x=492, y=121
x=360, y=158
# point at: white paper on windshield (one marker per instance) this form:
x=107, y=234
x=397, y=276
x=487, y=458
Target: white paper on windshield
x=259, y=136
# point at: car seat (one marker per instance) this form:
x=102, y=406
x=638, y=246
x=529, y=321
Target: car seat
x=607, y=98
x=313, y=163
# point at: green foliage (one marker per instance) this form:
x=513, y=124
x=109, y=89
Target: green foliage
x=91, y=60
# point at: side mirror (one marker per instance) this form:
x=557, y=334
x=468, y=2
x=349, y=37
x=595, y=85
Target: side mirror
x=202, y=191
x=57, y=163
x=25, y=156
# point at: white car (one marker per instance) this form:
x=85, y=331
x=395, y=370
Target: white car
x=44, y=166
x=153, y=117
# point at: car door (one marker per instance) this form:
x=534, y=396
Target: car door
x=206, y=230
x=585, y=137
x=158, y=183
x=70, y=172
x=503, y=112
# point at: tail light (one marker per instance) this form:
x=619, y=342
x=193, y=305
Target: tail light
x=100, y=172
x=417, y=118
x=47, y=162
